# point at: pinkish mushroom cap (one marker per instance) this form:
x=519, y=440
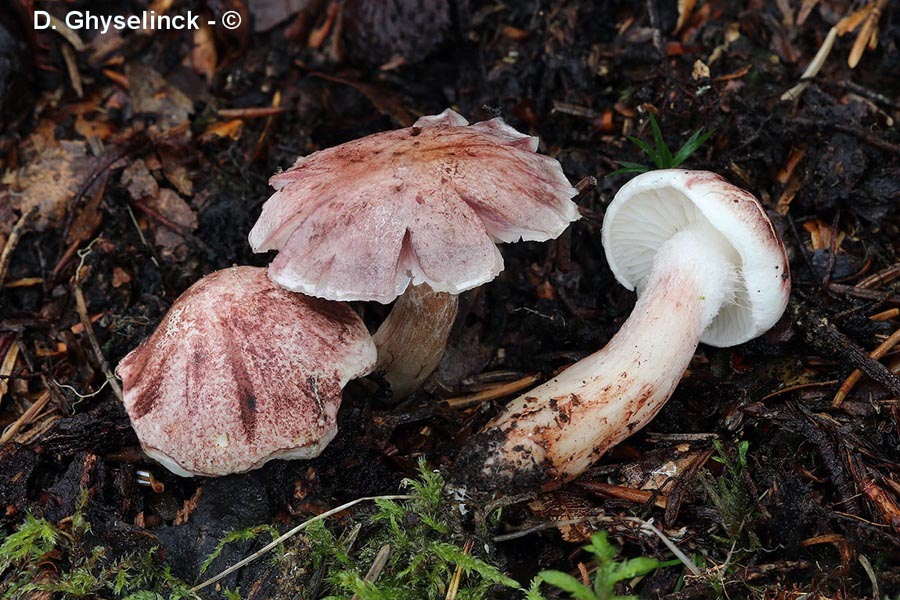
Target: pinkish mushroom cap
x=424, y=204
x=240, y=372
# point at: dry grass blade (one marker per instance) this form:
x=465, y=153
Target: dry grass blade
x=12, y=241
x=26, y=417
x=291, y=533
x=81, y=306
x=855, y=376
x=6, y=367
x=867, y=567
x=377, y=567
x=250, y=113
x=814, y=66
x=66, y=32
x=453, y=588
x=72, y=68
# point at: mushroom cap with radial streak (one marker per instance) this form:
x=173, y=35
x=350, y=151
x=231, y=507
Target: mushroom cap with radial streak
x=423, y=204
x=241, y=371
x=653, y=206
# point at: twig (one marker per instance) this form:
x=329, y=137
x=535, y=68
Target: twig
x=867, y=93
x=822, y=334
x=607, y=490
x=291, y=533
x=81, y=307
x=869, y=138
x=882, y=277
x=864, y=293
x=856, y=375
x=493, y=392
x=12, y=241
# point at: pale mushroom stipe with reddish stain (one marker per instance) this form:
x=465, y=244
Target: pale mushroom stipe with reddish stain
x=414, y=215
x=240, y=372
x=707, y=266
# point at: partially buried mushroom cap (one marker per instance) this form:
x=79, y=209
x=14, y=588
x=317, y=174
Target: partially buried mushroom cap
x=424, y=204
x=240, y=372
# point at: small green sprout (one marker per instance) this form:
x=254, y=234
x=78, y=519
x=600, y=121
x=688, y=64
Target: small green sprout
x=660, y=153
x=730, y=493
x=609, y=572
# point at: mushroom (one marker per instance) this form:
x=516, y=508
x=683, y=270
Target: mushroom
x=241, y=371
x=414, y=213
x=707, y=266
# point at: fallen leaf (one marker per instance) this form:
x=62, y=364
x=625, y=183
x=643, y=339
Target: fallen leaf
x=53, y=173
x=173, y=156
x=564, y=506
x=151, y=94
x=171, y=206
x=139, y=181
x=98, y=128
x=89, y=216
x=223, y=129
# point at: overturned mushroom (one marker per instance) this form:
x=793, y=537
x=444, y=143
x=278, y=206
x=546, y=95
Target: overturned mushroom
x=414, y=213
x=707, y=266
x=240, y=372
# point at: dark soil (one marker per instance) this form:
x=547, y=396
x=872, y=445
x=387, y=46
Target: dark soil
x=124, y=179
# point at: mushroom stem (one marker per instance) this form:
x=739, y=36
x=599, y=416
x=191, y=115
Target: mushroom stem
x=558, y=429
x=412, y=338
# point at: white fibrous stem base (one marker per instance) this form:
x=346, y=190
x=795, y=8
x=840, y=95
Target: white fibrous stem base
x=558, y=429
x=412, y=339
